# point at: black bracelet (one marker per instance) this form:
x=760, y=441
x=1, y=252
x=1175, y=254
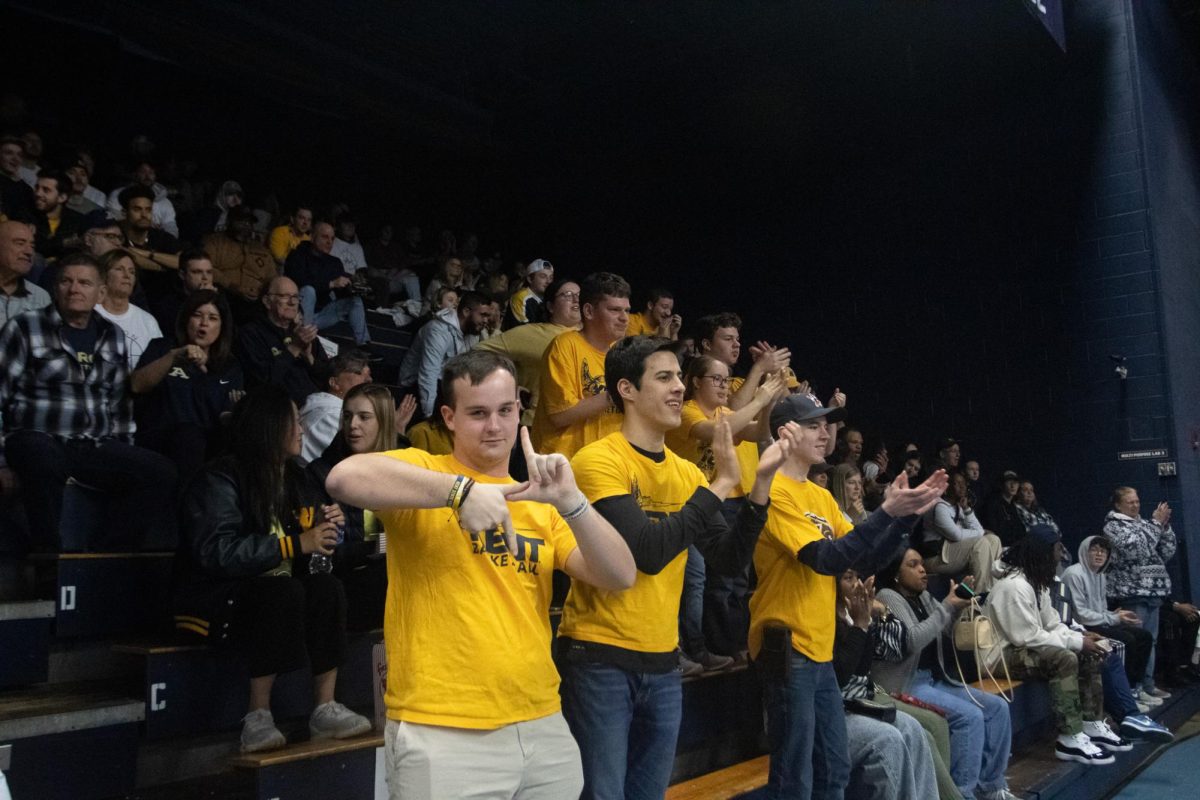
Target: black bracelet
x=466, y=490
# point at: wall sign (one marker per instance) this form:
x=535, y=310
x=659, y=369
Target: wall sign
x=1134, y=455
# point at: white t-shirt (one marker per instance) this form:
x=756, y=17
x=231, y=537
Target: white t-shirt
x=140, y=330
x=351, y=254
x=320, y=418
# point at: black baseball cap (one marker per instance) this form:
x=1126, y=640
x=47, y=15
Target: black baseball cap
x=802, y=408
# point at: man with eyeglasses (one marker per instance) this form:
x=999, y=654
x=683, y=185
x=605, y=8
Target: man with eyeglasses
x=280, y=349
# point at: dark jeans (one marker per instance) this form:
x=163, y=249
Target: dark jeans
x=140, y=484
x=806, y=730
x=1138, y=644
x=626, y=725
x=188, y=447
x=280, y=623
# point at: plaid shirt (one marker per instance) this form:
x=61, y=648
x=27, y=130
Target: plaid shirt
x=44, y=388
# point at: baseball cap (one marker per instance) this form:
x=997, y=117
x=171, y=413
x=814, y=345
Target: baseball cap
x=801, y=408
x=537, y=265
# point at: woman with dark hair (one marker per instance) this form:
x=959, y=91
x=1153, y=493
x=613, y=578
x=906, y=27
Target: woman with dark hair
x=184, y=389
x=1036, y=644
x=247, y=523
x=368, y=426
x=955, y=541
x=980, y=727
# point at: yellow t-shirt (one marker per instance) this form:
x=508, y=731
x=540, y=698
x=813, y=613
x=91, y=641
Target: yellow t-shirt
x=789, y=593
x=433, y=439
x=681, y=442
x=526, y=346
x=571, y=371
x=283, y=240
x=640, y=326
x=466, y=625
x=645, y=617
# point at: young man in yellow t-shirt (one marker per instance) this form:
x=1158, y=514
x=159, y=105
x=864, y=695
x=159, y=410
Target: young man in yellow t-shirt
x=574, y=409
x=805, y=545
x=472, y=693
x=617, y=652
x=658, y=318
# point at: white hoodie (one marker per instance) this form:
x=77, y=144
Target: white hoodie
x=1021, y=621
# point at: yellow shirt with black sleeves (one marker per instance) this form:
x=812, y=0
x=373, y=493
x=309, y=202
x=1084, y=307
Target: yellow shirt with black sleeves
x=681, y=441
x=789, y=592
x=467, y=624
x=644, y=618
x=572, y=370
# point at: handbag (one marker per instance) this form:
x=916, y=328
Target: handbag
x=973, y=633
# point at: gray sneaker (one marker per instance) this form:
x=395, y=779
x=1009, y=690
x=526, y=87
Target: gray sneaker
x=259, y=732
x=333, y=720
x=688, y=667
x=713, y=662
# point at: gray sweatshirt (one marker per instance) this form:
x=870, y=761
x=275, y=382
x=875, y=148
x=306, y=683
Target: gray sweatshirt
x=1088, y=590
x=919, y=634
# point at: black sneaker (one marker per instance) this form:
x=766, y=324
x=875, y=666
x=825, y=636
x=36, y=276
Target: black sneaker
x=1080, y=748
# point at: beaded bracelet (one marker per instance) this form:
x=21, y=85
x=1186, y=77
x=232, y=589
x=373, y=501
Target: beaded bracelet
x=578, y=511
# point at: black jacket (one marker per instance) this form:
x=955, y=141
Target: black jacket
x=262, y=350
x=308, y=266
x=221, y=548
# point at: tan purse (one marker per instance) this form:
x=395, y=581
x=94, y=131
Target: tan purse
x=973, y=633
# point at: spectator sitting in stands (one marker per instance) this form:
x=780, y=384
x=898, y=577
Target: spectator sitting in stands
x=103, y=235
x=247, y=522
x=818, y=474
x=16, y=196
x=846, y=486
x=346, y=246
x=1139, y=581
x=187, y=382
x=1030, y=511
x=974, y=483
x=140, y=327
x=999, y=511
x=949, y=454
x=279, y=348
x=17, y=294
x=195, y=273
x=575, y=408
x=432, y=435
x=387, y=259
x=497, y=286
x=369, y=424
x=526, y=304
x=64, y=398
x=31, y=156
x=450, y=332
x=1036, y=644
x=325, y=296
x=980, y=727
x=875, y=461
x=85, y=198
x=913, y=465
x=286, y=238
x=58, y=227
x=153, y=250
x=162, y=211
x=449, y=274
x=1088, y=588
x=887, y=759
x=215, y=218
x=321, y=414
x=849, y=447
x=955, y=542
x=714, y=612
x=658, y=318
x=526, y=344
x=241, y=265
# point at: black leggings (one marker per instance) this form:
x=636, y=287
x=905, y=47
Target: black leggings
x=280, y=623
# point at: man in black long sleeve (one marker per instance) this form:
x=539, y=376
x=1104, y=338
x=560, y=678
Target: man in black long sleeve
x=621, y=690
x=278, y=350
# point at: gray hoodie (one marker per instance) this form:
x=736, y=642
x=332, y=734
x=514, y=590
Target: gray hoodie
x=1087, y=588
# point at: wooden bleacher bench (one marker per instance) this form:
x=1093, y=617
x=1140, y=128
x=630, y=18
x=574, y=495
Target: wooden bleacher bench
x=996, y=685
x=314, y=770
x=725, y=783
x=102, y=594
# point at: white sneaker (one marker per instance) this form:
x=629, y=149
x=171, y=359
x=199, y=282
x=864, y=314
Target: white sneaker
x=1078, y=747
x=1105, y=737
x=333, y=720
x=1142, y=698
x=1143, y=708
x=259, y=732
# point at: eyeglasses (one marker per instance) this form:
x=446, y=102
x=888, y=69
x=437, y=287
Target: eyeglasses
x=568, y=295
x=290, y=299
x=719, y=381
x=112, y=237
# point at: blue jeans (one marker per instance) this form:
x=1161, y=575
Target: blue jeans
x=691, y=606
x=1118, y=699
x=343, y=308
x=980, y=738
x=626, y=725
x=1147, y=610
x=806, y=730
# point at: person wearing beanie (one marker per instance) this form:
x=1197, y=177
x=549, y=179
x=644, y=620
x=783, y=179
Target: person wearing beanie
x=1037, y=645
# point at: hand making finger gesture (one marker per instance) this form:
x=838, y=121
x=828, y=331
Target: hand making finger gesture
x=550, y=478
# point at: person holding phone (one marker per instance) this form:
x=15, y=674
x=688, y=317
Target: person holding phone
x=248, y=522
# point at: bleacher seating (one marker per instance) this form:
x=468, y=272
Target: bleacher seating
x=315, y=770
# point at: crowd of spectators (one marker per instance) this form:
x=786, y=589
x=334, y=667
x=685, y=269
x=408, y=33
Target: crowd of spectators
x=173, y=359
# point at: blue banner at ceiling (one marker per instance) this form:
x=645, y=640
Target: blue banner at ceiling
x=1050, y=12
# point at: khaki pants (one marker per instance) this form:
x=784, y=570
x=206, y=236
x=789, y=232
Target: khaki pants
x=535, y=760
x=972, y=557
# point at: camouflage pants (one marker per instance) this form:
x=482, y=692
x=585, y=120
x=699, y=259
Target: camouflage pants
x=1076, y=693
